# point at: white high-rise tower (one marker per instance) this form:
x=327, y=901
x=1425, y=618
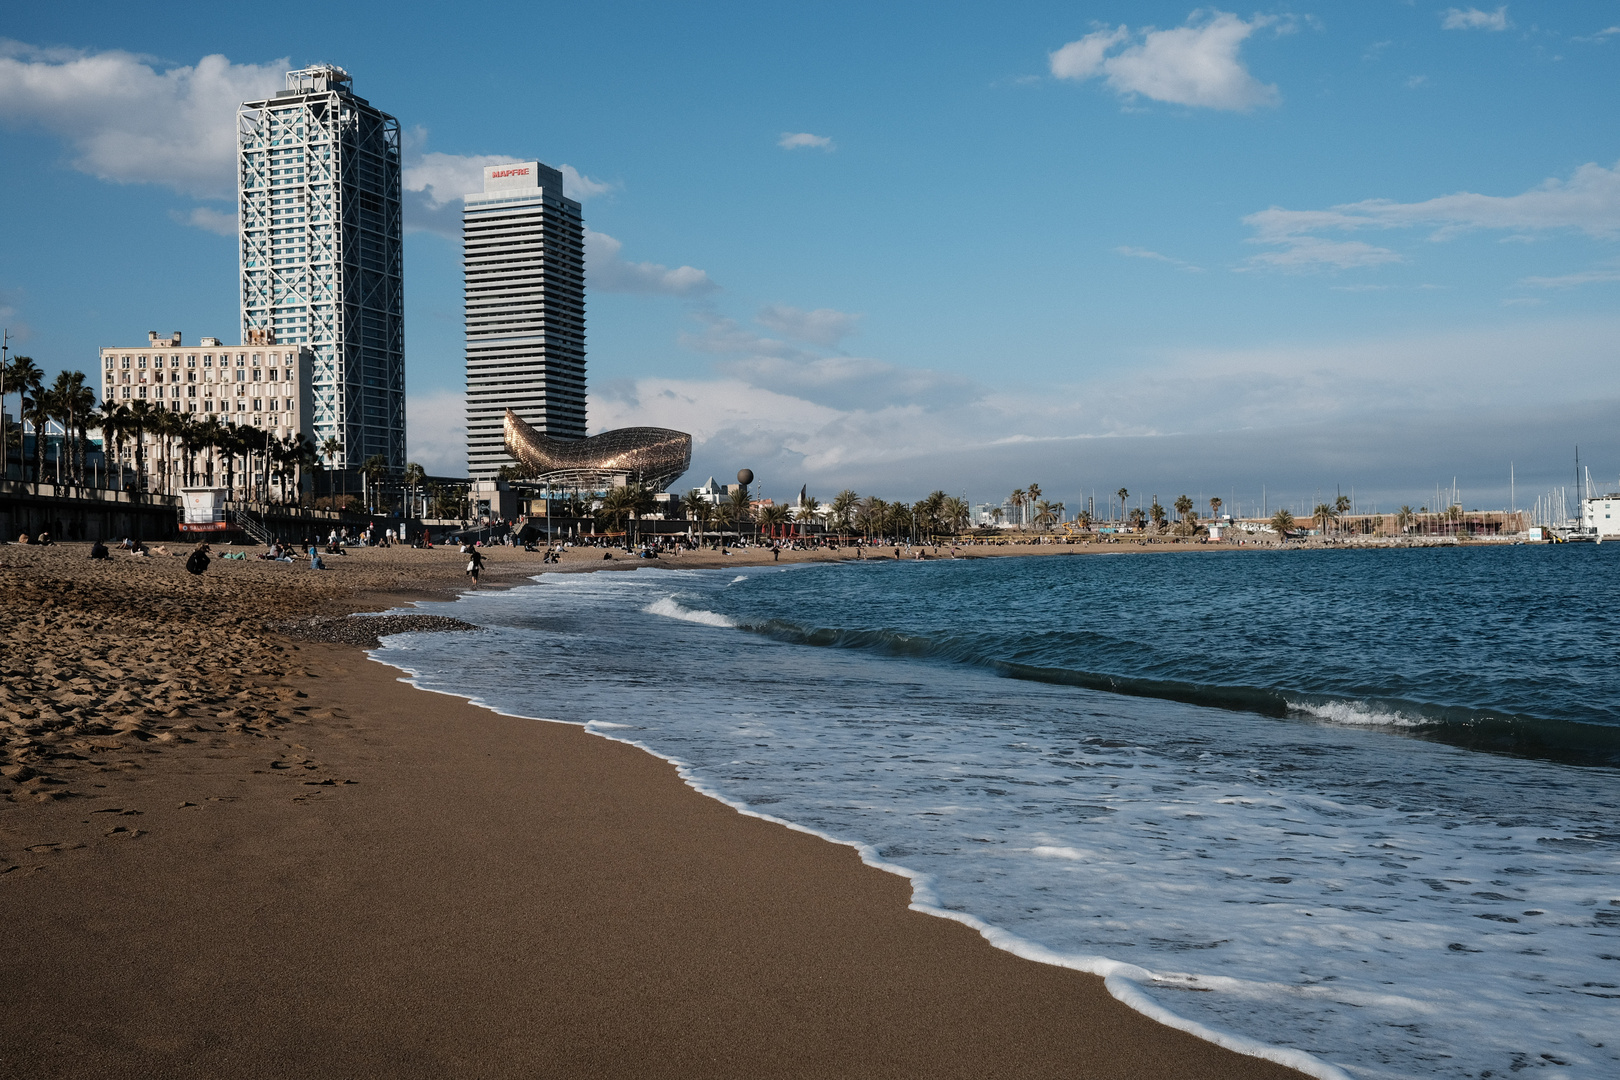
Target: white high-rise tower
x=321, y=258
x=523, y=255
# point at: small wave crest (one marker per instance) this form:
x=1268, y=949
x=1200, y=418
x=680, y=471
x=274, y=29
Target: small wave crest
x=1468, y=727
x=670, y=608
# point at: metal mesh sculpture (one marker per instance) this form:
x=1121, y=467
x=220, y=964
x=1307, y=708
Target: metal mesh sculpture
x=655, y=457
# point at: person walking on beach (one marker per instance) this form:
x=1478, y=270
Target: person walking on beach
x=475, y=564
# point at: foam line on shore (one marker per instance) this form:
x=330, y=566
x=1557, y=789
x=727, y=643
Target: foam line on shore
x=1121, y=979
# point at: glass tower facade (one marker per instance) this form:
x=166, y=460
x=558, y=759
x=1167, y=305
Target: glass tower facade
x=321, y=254
x=523, y=260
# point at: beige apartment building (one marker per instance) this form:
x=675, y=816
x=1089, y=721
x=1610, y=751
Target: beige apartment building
x=265, y=385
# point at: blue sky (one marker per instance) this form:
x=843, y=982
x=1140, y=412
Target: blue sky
x=897, y=247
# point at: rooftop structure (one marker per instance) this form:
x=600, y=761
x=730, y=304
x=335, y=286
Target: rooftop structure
x=321, y=245
x=523, y=257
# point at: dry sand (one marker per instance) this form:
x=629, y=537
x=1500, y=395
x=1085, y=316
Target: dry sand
x=227, y=851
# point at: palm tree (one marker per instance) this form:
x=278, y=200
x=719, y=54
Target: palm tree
x=331, y=447
x=1184, y=507
x=1281, y=522
x=809, y=510
x=1123, y=495
x=872, y=516
x=372, y=471
x=414, y=476
x=697, y=509
x=617, y=506
x=109, y=420
x=1084, y=519
x=1215, y=509
x=1033, y=495
x=740, y=509
x=773, y=517
x=25, y=378
x=1157, y=513
x=1045, y=513
x=1341, y=506
x=843, y=510
x=1404, y=518
x=1323, y=514
x=1137, y=518
x=140, y=415
x=955, y=512
x=1016, y=499
x=996, y=514
x=38, y=408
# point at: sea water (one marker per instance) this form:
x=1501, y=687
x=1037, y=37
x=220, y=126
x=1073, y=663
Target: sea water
x=1359, y=808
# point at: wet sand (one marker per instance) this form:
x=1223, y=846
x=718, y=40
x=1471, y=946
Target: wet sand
x=226, y=850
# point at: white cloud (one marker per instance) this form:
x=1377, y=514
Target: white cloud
x=436, y=427
x=721, y=336
x=1475, y=19
x=1582, y=277
x=208, y=219
x=1588, y=202
x=605, y=270
x=129, y=120
x=799, y=140
x=1306, y=253
x=1189, y=417
x=1196, y=64
x=1154, y=256
x=823, y=326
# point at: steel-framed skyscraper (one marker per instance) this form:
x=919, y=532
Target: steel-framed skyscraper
x=523, y=257
x=321, y=253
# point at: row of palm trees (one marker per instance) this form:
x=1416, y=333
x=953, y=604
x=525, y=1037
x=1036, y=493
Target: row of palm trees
x=189, y=451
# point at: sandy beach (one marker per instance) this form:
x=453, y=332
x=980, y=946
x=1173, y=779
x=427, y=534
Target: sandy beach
x=228, y=847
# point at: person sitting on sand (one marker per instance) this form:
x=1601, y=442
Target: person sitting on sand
x=197, y=561
x=315, y=561
x=98, y=550
x=45, y=540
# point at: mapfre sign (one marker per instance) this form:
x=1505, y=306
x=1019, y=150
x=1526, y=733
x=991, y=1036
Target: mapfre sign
x=514, y=174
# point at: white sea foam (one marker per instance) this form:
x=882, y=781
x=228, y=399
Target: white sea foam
x=670, y=608
x=1320, y=895
x=1357, y=714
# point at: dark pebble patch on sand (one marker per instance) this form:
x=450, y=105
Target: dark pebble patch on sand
x=366, y=631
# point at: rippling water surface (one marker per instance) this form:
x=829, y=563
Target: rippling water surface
x=1360, y=806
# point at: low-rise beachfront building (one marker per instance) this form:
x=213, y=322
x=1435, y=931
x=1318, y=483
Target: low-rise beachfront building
x=1600, y=516
x=262, y=384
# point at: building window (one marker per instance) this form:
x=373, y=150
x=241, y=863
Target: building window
x=258, y=405
x=241, y=406
x=125, y=393
x=273, y=407
x=174, y=361
x=140, y=362
x=258, y=375
x=241, y=376
x=124, y=363
x=191, y=361
x=191, y=391
x=208, y=359
x=241, y=359
x=125, y=379
x=142, y=392
x=174, y=391
x=191, y=376
x=275, y=373
x=109, y=363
